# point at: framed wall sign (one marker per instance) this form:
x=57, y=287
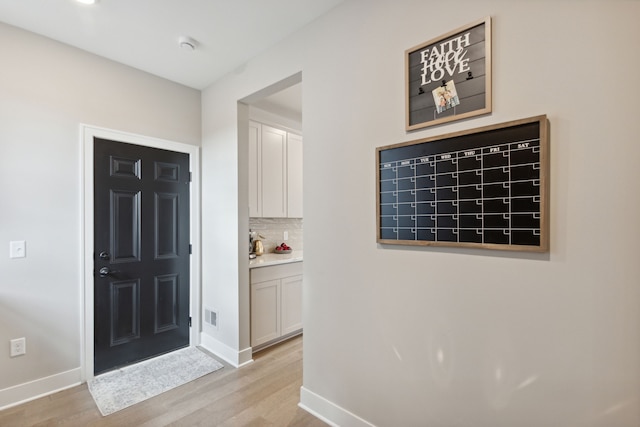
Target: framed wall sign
x=449, y=78
x=483, y=188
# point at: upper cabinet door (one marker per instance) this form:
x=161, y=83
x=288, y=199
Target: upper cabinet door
x=274, y=172
x=294, y=176
x=255, y=170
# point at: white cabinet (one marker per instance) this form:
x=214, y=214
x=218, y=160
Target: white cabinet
x=276, y=303
x=290, y=304
x=275, y=172
x=255, y=170
x=294, y=175
x=265, y=316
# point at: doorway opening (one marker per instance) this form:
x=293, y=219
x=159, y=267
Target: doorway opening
x=278, y=107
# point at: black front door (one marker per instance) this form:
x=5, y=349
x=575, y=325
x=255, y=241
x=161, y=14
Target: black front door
x=141, y=253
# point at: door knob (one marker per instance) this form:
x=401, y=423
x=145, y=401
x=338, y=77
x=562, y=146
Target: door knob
x=105, y=271
x=104, y=255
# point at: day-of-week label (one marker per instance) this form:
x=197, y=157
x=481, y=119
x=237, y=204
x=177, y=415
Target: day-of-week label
x=405, y=163
x=386, y=165
x=470, y=153
x=445, y=156
x=523, y=145
x=494, y=149
x=424, y=160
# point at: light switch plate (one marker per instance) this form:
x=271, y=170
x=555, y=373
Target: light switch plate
x=17, y=249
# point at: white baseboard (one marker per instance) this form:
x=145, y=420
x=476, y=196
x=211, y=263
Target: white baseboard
x=233, y=357
x=245, y=357
x=328, y=411
x=32, y=390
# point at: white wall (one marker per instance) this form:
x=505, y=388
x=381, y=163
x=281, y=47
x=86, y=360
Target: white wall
x=225, y=209
x=46, y=91
x=452, y=337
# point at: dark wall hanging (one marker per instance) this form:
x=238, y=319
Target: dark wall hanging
x=449, y=78
x=484, y=188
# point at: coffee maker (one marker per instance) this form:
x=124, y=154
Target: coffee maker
x=252, y=236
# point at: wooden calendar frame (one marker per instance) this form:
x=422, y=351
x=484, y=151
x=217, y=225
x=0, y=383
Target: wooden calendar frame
x=481, y=188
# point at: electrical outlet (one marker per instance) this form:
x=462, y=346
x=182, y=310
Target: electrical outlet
x=18, y=347
x=286, y=236
x=17, y=249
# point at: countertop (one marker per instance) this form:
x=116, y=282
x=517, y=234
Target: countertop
x=274, y=259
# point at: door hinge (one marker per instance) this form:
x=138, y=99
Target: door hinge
x=189, y=321
x=190, y=249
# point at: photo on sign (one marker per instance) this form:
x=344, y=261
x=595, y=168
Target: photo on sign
x=461, y=59
x=445, y=96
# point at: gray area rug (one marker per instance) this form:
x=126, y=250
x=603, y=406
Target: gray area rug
x=132, y=384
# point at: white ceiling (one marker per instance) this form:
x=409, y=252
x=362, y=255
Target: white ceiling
x=144, y=33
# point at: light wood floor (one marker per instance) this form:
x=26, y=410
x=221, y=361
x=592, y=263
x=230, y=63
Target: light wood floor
x=263, y=393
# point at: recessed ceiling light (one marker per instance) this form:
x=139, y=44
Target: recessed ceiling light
x=87, y=1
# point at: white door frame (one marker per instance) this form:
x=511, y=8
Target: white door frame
x=87, y=134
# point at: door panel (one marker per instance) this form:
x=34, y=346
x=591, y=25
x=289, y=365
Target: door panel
x=125, y=225
x=167, y=294
x=141, y=227
x=166, y=225
x=125, y=309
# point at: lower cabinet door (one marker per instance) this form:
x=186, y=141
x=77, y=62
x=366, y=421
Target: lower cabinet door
x=291, y=304
x=265, y=312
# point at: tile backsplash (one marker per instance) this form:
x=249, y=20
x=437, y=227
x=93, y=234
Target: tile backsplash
x=272, y=232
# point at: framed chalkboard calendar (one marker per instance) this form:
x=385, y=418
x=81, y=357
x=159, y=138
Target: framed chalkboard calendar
x=484, y=188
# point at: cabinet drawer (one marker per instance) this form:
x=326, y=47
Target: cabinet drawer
x=272, y=272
